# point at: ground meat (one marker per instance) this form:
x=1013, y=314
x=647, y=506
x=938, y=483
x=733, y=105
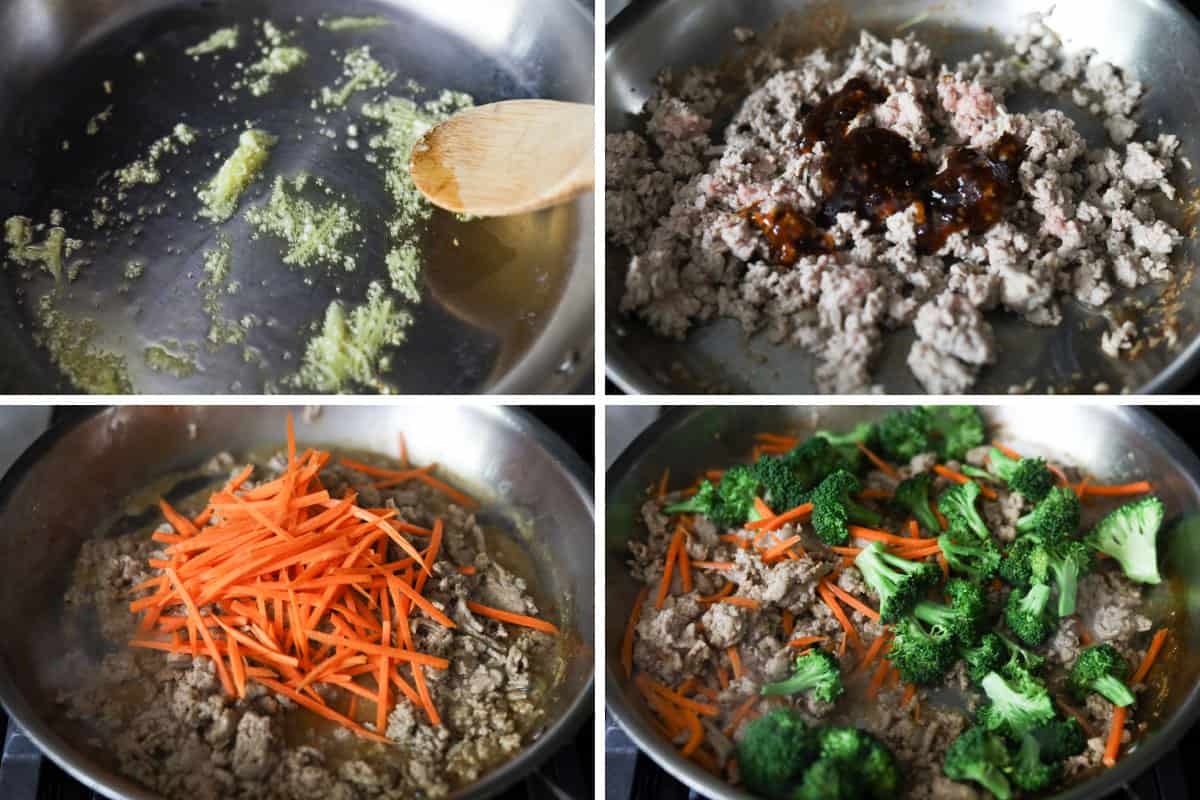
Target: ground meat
x=184, y=738
x=1110, y=605
x=677, y=198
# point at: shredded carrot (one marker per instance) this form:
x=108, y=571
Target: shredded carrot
x=1059, y=474
x=1082, y=720
x=883, y=466
x=735, y=661
x=722, y=676
x=515, y=619
x=721, y=565
x=910, y=691
x=664, y=586
x=662, y=483
x=1008, y=451
x=1118, y=490
x=805, y=641
x=787, y=442
x=1156, y=644
x=744, y=602
x=1085, y=636
x=877, y=678
x=778, y=550
x=873, y=651
x=943, y=523
x=779, y=520
x=846, y=551
x=762, y=508
x=627, y=642
x=1081, y=489
x=958, y=477
x=789, y=621
x=859, y=532
x=725, y=591
x=914, y=530
x=1112, y=746
x=696, y=733
x=875, y=494
x=685, y=564
x=842, y=645
x=740, y=714
x=944, y=564
x=853, y=602
x=831, y=600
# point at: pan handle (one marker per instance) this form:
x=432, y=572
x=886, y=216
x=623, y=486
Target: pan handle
x=19, y=766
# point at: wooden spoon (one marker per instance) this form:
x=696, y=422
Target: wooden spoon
x=507, y=158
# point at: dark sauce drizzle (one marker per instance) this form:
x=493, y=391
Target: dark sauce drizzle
x=874, y=172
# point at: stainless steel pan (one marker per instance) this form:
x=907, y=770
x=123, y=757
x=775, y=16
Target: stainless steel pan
x=532, y=486
x=507, y=303
x=1113, y=443
x=1158, y=40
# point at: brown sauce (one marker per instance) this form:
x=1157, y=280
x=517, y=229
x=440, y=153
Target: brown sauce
x=875, y=173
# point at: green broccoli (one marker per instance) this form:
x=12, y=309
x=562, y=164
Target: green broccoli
x=1130, y=535
x=1016, y=706
x=899, y=583
x=782, y=485
x=957, y=505
x=979, y=562
x=982, y=757
x=904, y=434
x=728, y=505
x=1060, y=738
x=1101, y=669
x=1029, y=771
x=845, y=445
x=1016, y=569
x=956, y=429
x=1066, y=563
x=1027, y=476
x=833, y=508
x=774, y=751
x=912, y=495
x=1021, y=662
x=1026, y=614
x=874, y=762
x=921, y=656
x=965, y=617
x=818, y=672
x=830, y=779
x=989, y=655
x=1055, y=517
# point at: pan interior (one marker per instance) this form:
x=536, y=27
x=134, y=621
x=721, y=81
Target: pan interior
x=489, y=290
x=1114, y=444
x=532, y=500
x=1159, y=42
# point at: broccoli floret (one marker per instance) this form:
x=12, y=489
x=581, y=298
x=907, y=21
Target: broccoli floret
x=912, y=495
x=989, y=655
x=904, y=434
x=1054, y=518
x=1065, y=563
x=965, y=617
x=830, y=779
x=1029, y=771
x=818, y=672
x=1021, y=662
x=1016, y=569
x=979, y=561
x=921, y=656
x=1130, y=535
x=956, y=429
x=774, y=751
x=900, y=583
x=727, y=505
x=957, y=505
x=782, y=486
x=845, y=445
x=1101, y=669
x=1028, y=476
x=1060, y=739
x=982, y=757
x=875, y=763
x=833, y=508
x=1016, y=706
x=1026, y=614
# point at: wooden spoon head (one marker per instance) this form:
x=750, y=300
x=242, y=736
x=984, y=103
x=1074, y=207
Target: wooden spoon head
x=507, y=158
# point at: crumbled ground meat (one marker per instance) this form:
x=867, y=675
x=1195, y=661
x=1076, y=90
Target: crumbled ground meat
x=1084, y=224
x=692, y=634
x=182, y=737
